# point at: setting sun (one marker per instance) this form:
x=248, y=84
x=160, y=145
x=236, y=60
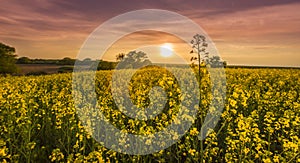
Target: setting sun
x=166, y=50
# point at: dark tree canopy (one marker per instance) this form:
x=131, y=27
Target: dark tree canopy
x=24, y=60
x=106, y=65
x=216, y=61
x=7, y=59
x=66, y=61
x=133, y=59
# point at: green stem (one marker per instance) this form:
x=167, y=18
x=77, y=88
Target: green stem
x=201, y=116
x=293, y=157
x=269, y=141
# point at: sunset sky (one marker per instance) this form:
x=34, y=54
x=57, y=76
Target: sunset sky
x=245, y=32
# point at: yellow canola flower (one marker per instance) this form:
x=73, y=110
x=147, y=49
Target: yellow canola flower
x=194, y=131
x=2, y=152
x=192, y=152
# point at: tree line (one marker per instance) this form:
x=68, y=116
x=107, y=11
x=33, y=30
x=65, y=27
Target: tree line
x=133, y=59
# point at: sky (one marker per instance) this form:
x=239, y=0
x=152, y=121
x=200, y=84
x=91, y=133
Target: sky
x=245, y=32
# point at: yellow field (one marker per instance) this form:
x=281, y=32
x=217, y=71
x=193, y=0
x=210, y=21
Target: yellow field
x=260, y=122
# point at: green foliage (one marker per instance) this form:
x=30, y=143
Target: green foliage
x=7, y=59
x=106, y=65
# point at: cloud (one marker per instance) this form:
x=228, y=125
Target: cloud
x=55, y=28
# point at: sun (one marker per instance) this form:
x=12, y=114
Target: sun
x=166, y=50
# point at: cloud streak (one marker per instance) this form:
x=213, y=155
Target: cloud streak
x=55, y=28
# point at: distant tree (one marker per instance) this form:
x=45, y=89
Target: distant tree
x=66, y=61
x=89, y=62
x=24, y=60
x=135, y=59
x=106, y=65
x=224, y=63
x=47, y=61
x=7, y=59
x=120, y=57
x=216, y=61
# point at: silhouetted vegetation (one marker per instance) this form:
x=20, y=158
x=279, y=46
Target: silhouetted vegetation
x=199, y=45
x=215, y=61
x=65, y=69
x=66, y=61
x=133, y=59
x=9, y=63
x=7, y=59
x=24, y=60
x=120, y=57
x=106, y=65
x=37, y=73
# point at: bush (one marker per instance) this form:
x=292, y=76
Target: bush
x=37, y=73
x=65, y=69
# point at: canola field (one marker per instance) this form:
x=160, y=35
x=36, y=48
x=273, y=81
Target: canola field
x=260, y=121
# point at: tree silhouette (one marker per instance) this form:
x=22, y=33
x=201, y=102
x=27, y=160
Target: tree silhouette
x=216, y=61
x=120, y=57
x=24, y=60
x=7, y=59
x=66, y=61
x=133, y=59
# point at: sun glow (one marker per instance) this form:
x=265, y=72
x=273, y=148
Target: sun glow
x=166, y=50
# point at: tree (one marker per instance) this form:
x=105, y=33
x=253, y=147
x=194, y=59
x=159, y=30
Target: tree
x=216, y=61
x=134, y=59
x=7, y=59
x=66, y=61
x=224, y=63
x=106, y=65
x=23, y=60
x=120, y=57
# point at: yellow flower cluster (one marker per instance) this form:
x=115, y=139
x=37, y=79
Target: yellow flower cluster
x=260, y=121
